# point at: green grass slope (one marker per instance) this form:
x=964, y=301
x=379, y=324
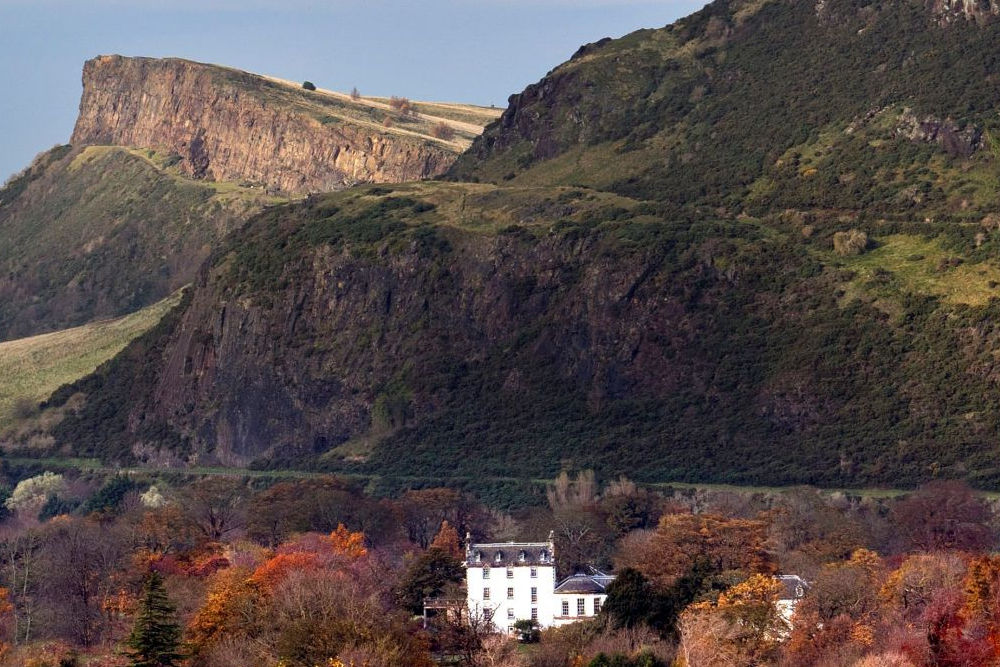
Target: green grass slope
x=32, y=368
x=104, y=231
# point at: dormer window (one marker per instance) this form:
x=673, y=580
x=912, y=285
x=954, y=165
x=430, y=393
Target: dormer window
x=479, y=556
x=799, y=591
x=543, y=555
x=499, y=557
x=522, y=556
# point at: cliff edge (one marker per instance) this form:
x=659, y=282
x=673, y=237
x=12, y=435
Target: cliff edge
x=229, y=125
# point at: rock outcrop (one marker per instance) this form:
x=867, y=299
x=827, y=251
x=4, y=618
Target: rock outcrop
x=229, y=125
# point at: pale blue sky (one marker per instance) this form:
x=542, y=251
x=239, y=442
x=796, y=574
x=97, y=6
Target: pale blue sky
x=477, y=51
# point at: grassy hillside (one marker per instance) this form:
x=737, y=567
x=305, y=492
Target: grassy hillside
x=643, y=272
x=32, y=368
x=876, y=108
x=453, y=330
x=103, y=231
x=327, y=106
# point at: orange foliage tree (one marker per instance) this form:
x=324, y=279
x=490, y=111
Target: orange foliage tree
x=346, y=544
x=231, y=600
x=721, y=544
x=6, y=610
x=447, y=541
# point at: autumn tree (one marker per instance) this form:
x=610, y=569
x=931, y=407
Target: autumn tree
x=6, y=616
x=627, y=507
x=919, y=579
x=722, y=545
x=582, y=536
x=315, y=505
x=155, y=637
x=447, y=541
x=79, y=559
x=943, y=515
x=744, y=625
x=21, y=571
x=216, y=507
x=230, y=605
x=423, y=511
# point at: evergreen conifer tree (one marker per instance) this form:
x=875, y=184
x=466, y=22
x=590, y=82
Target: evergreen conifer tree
x=155, y=637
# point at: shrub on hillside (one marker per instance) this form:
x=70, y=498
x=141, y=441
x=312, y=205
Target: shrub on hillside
x=849, y=243
x=309, y=85
x=402, y=105
x=443, y=131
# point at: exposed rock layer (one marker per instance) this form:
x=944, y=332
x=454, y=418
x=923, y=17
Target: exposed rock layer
x=233, y=126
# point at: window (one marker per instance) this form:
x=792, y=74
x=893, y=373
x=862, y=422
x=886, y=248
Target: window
x=521, y=556
x=510, y=573
x=486, y=594
x=499, y=557
x=534, y=573
x=510, y=612
x=534, y=613
x=486, y=573
x=597, y=606
x=534, y=594
x=565, y=607
x=510, y=593
x=581, y=609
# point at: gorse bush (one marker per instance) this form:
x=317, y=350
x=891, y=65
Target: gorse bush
x=853, y=242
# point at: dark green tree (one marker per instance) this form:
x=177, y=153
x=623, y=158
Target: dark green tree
x=156, y=635
x=630, y=599
x=427, y=576
x=633, y=600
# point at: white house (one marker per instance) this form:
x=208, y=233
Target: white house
x=508, y=582
x=581, y=596
x=793, y=589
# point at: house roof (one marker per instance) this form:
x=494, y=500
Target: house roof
x=793, y=587
x=503, y=554
x=595, y=582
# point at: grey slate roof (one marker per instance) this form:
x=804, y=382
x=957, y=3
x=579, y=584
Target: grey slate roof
x=594, y=583
x=504, y=554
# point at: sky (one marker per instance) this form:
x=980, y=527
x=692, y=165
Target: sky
x=476, y=51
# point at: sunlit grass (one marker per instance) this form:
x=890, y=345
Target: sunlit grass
x=32, y=368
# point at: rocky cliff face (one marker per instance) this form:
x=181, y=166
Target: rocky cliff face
x=227, y=125
x=422, y=333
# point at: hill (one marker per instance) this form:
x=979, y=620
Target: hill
x=756, y=246
x=168, y=157
x=98, y=232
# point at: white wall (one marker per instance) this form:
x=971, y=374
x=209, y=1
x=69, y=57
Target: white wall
x=522, y=583
x=572, y=598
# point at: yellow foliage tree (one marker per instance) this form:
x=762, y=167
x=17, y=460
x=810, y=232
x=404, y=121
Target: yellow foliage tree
x=231, y=598
x=347, y=544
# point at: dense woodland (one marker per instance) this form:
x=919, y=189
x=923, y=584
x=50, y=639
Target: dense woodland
x=220, y=572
